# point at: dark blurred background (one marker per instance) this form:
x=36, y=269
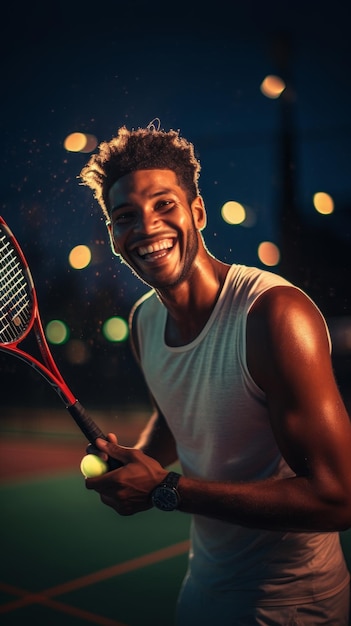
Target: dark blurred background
x=71, y=67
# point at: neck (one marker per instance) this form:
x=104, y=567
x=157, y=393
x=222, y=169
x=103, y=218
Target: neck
x=191, y=303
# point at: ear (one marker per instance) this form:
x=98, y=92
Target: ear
x=199, y=213
x=112, y=241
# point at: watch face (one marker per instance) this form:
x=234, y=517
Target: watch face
x=165, y=498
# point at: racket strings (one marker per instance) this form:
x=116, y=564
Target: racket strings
x=15, y=299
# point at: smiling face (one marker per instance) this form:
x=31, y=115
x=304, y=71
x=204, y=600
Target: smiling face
x=153, y=228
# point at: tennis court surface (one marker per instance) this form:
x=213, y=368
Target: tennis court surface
x=66, y=558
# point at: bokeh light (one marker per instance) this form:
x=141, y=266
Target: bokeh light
x=268, y=253
x=80, y=142
x=272, y=86
x=323, y=203
x=233, y=212
x=115, y=329
x=57, y=332
x=91, y=143
x=79, y=257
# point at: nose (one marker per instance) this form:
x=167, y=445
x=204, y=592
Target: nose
x=147, y=221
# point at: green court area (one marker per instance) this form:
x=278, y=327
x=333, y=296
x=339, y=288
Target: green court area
x=68, y=560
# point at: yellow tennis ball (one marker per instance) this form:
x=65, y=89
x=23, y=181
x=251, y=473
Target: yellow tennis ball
x=91, y=465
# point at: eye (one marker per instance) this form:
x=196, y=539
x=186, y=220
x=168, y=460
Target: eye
x=164, y=205
x=123, y=218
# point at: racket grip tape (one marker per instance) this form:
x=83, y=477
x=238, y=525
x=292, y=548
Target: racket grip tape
x=86, y=424
x=89, y=428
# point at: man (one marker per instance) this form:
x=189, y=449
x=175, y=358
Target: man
x=238, y=363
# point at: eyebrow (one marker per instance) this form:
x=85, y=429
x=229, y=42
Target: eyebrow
x=124, y=205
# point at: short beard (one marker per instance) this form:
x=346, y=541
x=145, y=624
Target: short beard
x=188, y=267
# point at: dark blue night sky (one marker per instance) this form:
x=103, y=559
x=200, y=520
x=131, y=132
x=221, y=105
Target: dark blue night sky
x=198, y=68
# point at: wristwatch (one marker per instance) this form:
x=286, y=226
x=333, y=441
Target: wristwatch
x=165, y=496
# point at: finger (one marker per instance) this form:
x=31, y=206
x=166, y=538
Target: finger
x=91, y=449
x=108, y=500
x=112, y=437
x=115, y=451
x=122, y=508
x=102, y=484
x=99, y=449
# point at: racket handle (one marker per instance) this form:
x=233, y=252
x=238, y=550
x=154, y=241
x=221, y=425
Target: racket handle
x=89, y=428
x=85, y=423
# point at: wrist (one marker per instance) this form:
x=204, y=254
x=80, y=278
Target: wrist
x=166, y=495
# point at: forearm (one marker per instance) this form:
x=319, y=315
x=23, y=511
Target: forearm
x=286, y=504
x=157, y=441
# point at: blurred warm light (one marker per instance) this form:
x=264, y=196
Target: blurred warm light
x=115, y=329
x=57, y=332
x=75, y=142
x=77, y=352
x=80, y=142
x=268, y=253
x=79, y=257
x=272, y=86
x=233, y=212
x=91, y=143
x=323, y=203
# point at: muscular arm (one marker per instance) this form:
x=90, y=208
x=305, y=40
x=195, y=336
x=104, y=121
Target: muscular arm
x=288, y=357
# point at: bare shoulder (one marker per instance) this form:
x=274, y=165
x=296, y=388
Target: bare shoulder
x=284, y=308
x=285, y=331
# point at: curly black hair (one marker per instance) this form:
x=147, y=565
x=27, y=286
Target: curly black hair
x=144, y=148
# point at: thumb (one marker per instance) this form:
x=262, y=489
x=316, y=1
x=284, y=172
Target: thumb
x=114, y=451
x=112, y=437
x=93, y=448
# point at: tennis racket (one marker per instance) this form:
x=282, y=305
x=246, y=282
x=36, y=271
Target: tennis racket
x=19, y=318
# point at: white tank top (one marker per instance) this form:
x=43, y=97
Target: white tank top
x=220, y=422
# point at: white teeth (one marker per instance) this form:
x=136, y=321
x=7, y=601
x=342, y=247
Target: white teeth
x=155, y=247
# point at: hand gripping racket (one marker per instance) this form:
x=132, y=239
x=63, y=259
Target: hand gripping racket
x=19, y=317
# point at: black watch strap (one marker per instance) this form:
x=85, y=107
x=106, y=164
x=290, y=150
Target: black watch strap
x=165, y=496
x=171, y=480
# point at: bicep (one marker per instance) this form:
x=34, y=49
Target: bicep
x=289, y=358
